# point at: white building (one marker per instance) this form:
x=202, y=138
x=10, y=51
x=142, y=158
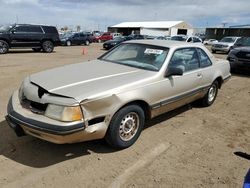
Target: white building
x=159, y=28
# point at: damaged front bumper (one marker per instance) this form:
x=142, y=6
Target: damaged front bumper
x=23, y=121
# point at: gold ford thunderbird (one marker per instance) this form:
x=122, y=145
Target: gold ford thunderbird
x=113, y=96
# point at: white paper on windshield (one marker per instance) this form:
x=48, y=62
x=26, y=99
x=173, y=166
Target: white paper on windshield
x=153, y=51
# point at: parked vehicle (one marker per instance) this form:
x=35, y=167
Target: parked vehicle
x=163, y=38
x=239, y=56
x=79, y=38
x=185, y=38
x=37, y=37
x=111, y=43
x=107, y=36
x=224, y=45
x=113, y=96
x=210, y=41
x=137, y=36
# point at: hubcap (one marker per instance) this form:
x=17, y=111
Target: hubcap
x=129, y=126
x=211, y=93
x=48, y=46
x=68, y=43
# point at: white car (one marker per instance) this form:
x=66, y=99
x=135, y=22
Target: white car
x=185, y=38
x=210, y=41
x=225, y=44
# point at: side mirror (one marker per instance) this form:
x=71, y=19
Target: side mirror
x=174, y=71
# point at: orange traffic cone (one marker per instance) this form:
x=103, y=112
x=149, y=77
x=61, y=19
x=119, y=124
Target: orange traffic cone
x=84, y=51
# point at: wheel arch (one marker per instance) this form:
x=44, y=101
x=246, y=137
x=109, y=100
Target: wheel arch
x=219, y=80
x=5, y=40
x=141, y=103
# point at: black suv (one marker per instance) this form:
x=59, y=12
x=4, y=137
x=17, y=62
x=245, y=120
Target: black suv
x=79, y=38
x=37, y=37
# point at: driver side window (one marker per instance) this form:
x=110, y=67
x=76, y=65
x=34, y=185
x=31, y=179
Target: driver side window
x=186, y=59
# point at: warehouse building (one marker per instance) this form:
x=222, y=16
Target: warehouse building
x=219, y=33
x=159, y=28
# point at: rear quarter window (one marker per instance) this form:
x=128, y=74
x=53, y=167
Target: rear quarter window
x=204, y=59
x=49, y=29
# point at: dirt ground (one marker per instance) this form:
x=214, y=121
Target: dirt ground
x=189, y=147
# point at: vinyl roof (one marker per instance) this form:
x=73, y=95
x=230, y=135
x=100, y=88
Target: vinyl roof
x=159, y=24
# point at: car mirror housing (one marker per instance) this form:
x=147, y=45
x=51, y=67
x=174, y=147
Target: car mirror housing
x=174, y=71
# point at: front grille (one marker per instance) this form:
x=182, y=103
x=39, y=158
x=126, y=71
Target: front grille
x=34, y=107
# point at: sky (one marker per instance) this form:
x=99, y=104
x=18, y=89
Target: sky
x=99, y=14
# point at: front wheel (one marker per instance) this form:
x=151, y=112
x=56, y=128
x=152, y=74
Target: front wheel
x=125, y=126
x=4, y=47
x=48, y=46
x=211, y=94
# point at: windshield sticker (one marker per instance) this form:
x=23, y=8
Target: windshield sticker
x=153, y=51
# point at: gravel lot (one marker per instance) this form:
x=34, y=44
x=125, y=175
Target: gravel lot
x=189, y=147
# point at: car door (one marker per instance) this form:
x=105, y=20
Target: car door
x=206, y=68
x=26, y=36
x=175, y=91
x=76, y=39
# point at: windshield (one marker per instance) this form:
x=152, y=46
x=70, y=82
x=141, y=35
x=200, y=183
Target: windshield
x=228, y=39
x=5, y=27
x=118, y=38
x=179, y=38
x=243, y=41
x=66, y=35
x=141, y=56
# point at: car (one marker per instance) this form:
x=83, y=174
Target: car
x=239, y=56
x=107, y=36
x=185, y=38
x=162, y=38
x=111, y=43
x=225, y=44
x=137, y=36
x=209, y=41
x=78, y=38
x=112, y=97
x=37, y=37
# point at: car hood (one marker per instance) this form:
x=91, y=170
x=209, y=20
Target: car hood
x=86, y=80
x=243, y=48
x=224, y=43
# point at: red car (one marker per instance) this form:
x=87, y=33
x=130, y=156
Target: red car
x=104, y=37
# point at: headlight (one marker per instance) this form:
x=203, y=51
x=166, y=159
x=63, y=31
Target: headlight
x=64, y=113
x=114, y=43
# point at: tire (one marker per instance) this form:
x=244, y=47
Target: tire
x=213, y=51
x=87, y=43
x=68, y=43
x=125, y=127
x=36, y=49
x=48, y=46
x=4, y=47
x=211, y=95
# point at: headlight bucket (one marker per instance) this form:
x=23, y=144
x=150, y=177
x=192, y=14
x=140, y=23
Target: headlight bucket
x=64, y=113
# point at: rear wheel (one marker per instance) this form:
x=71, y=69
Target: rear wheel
x=211, y=94
x=68, y=43
x=125, y=126
x=87, y=43
x=48, y=46
x=4, y=47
